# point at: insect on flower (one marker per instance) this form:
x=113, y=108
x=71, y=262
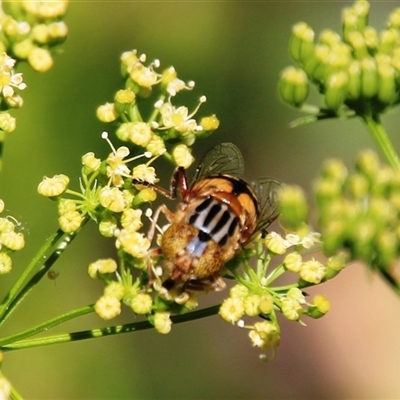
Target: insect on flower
x=219, y=213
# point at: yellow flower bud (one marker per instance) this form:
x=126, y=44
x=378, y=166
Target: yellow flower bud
x=115, y=289
x=5, y=263
x=40, y=59
x=142, y=303
x=7, y=122
x=40, y=33
x=108, y=226
x=107, y=113
x=52, y=187
x=182, y=156
x=239, y=291
x=131, y=219
x=70, y=221
x=319, y=306
x=90, y=162
x=57, y=31
x=112, y=199
x=276, y=243
x=232, y=309
x=210, y=123
x=133, y=243
x=266, y=304
x=146, y=195
x=312, y=271
x=156, y=146
x=293, y=261
x=251, y=305
x=23, y=49
x=162, y=322
x=291, y=309
x=108, y=307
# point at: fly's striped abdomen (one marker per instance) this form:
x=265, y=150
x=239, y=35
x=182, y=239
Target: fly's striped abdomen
x=215, y=221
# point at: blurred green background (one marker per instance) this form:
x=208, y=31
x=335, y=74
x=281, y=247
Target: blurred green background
x=234, y=51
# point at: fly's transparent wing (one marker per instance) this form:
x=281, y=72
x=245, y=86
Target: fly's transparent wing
x=225, y=158
x=266, y=191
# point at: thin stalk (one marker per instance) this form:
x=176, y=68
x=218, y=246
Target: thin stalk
x=108, y=331
x=47, y=325
x=39, y=257
x=2, y=138
x=18, y=296
x=381, y=138
x=14, y=395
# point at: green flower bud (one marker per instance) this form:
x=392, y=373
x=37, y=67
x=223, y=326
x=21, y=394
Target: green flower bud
x=362, y=9
x=387, y=244
x=301, y=42
x=382, y=181
x=387, y=91
x=334, y=169
x=355, y=18
x=396, y=66
x=349, y=22
x=358, y=186
x=329, y=37
x=394, y=19
x=334, y=265
x=389, y=40
x=368, y=163
x=319, y=307
x=371, y=39
x=361, y=235
x=357, y=41
x=293, y=206
x=339, y=59
x=382, y=212
x=333, y=234
x=326, y=190
x=369, y=77
x=354, y=83
x=293, y=86
x=336, y=90
x=315, y=64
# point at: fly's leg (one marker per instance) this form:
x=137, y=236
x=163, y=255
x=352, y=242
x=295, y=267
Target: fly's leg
x=179, y=181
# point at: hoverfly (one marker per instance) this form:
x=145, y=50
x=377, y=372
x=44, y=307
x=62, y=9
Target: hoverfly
x=219, y=213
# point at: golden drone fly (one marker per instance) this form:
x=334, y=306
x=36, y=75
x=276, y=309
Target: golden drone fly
x=219, y=213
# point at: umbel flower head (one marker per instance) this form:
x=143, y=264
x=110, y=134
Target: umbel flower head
x=170, y=129
x=356, y=72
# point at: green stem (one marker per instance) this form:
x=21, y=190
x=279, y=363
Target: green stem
x=381, y=138
x=47, y=325
x=108, y=331
x=2, y=138
x=50, y=242
x=14, y=395
x=46, y=256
